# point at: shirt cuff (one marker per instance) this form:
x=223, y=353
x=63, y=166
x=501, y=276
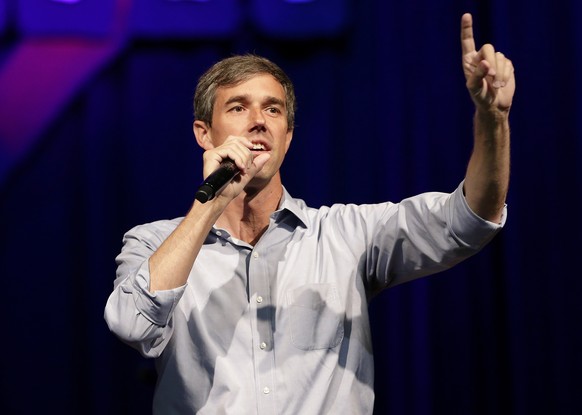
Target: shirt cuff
x=467, y=226
x=157, y=307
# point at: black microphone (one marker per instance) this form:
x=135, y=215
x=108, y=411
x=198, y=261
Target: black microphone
x=214, y=183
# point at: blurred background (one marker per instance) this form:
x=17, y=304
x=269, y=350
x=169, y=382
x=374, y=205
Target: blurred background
x=96, y=137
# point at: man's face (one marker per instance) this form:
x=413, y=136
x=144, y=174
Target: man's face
x=254, y=109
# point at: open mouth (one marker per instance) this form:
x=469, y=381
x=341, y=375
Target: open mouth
x=259, y=147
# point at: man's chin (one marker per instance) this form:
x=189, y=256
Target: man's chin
x=257, y=183
x=260, y=181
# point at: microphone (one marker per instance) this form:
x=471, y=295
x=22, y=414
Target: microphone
x=216, y=181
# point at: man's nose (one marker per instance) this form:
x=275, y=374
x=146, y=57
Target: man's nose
x=258, y=117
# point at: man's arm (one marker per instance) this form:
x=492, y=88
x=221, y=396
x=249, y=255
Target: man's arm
x=491, y=83
x=170, y=265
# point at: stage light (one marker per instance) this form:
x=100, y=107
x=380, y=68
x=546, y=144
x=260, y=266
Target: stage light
x=183, y=19
x=292, y=19
x=84, y=18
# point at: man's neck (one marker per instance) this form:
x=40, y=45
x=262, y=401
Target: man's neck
x=247, y=217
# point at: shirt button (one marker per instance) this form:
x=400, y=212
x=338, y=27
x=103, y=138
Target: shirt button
x=218, y=233
x=255, y=254
x=259, y=299
x=266, y=390
x=263, y=346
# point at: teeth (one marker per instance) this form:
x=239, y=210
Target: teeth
x=258, y=147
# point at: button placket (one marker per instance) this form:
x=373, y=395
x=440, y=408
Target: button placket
x=263, y=359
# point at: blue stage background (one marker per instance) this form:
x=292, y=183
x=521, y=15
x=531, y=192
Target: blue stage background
x=96, y=137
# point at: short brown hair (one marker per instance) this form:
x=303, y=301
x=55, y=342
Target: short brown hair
x=233, y=71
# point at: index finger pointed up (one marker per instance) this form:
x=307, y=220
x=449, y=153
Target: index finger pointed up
x=467, y=40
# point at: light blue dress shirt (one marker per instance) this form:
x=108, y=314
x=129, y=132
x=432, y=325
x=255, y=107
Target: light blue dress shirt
x=282, y=327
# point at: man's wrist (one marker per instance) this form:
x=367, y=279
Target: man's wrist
x=492, y=115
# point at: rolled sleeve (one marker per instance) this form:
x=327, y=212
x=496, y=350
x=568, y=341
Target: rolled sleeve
x=157, y=307
x=138, y=317
x=466, y=226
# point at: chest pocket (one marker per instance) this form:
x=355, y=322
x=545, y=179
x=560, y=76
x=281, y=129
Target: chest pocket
x=316, y=317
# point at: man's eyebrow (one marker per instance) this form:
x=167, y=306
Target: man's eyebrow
x=275, y=101
x=237, y=98
x=245, y=98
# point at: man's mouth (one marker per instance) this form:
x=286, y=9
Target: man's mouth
x=259, y=147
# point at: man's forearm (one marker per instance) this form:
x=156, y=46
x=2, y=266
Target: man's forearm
x=170, y=265
x=487, y=179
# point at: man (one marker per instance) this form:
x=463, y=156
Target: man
x=255, y=303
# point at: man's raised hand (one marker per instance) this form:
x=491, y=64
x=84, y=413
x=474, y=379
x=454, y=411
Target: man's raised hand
x=489, y=74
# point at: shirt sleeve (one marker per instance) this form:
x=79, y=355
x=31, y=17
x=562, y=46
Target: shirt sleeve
x=423, y=235
x=138, y=317
x=467, y=226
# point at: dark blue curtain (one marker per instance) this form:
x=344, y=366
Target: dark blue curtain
x=383, y=114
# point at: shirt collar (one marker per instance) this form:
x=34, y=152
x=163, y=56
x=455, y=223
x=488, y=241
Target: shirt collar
x=294, y=206
x=287, y=206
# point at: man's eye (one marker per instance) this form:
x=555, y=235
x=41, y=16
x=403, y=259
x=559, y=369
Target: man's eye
x=274, y=110
x=237, y=108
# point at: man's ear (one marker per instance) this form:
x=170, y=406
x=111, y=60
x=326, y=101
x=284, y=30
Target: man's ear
x=202, y=134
